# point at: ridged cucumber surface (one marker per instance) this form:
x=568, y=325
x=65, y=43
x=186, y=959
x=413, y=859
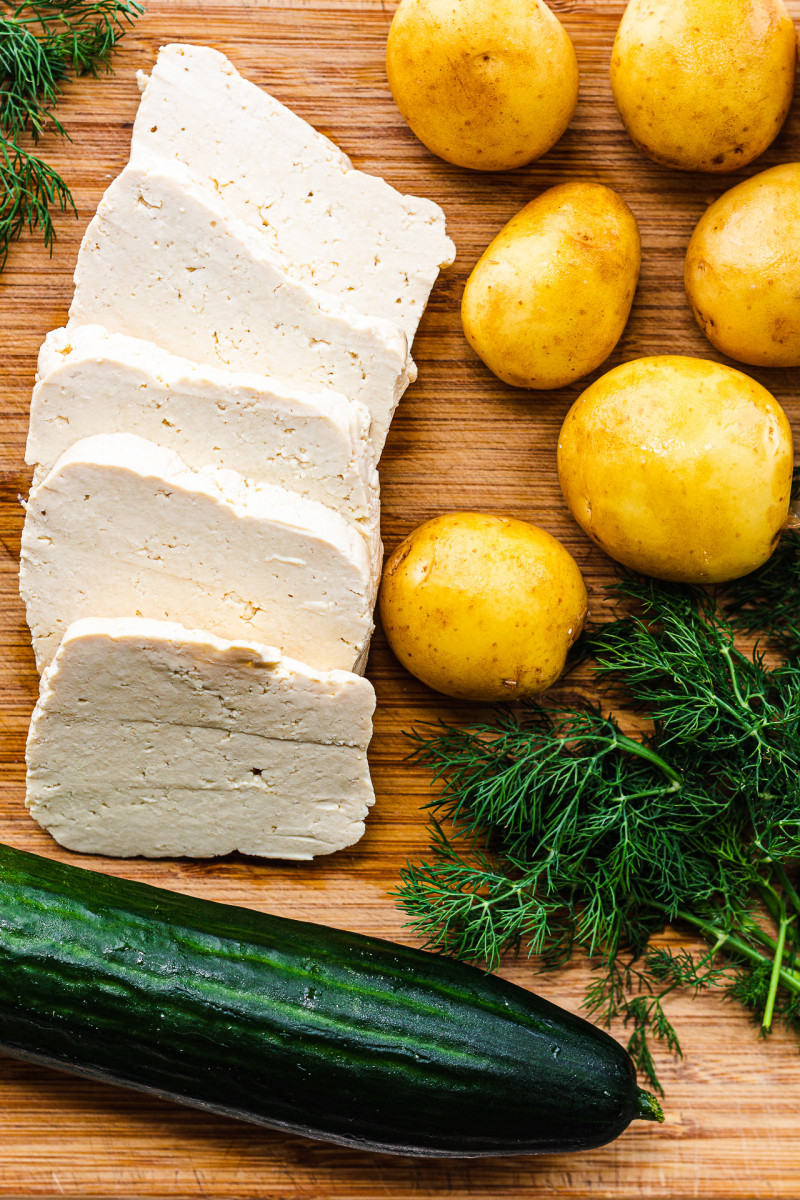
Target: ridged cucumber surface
x=297, y=1026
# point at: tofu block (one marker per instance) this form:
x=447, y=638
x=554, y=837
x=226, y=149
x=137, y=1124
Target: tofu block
x=122, y=528
x=332, y=226
x=164, y=261
x=91, y=381
x=153, y=739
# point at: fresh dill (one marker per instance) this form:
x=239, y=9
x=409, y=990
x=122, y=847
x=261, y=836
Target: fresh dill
x=553, y=830
x=41, y=46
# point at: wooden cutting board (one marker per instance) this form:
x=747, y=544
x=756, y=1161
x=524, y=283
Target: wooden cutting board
x=461, y=440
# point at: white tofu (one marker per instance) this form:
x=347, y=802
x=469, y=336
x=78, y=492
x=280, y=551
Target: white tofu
x=152, y=739
x=345, y=231
x=91, y=382
x=121, y=528
x=164, y=261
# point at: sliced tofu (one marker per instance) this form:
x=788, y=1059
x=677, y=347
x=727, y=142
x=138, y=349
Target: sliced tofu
x=153, y=739
x=164, y=261
x=121, y=527
x=91, y=381
x=332, y=226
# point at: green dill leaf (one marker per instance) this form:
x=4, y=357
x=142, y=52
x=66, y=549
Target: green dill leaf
x=681, y=968
x=554, y=831
x=29, y=190
x=41, y=44
x=646, y=1015
x=31, y=73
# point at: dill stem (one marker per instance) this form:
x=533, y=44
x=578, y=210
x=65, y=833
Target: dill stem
x=772, y=900
x=755, y=931
x=789, y=890
x=774, y=979
x=747, y=925
x=725, y=651
x=788, y=978
x=642, y=751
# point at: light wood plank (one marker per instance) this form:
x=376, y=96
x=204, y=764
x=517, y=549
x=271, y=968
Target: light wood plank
x=462, y=440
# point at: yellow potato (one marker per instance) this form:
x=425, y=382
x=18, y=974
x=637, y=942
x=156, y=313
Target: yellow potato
x=486, y=85
x=548, y=300
x=704, y=85
x=679, y=468
x=482, y=607
x=742, y=270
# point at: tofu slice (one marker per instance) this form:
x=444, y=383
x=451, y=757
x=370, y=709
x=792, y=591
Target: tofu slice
x=163, y=260
x=338, y=228
x=91, y=381
x=121, y=527
x=153, y=739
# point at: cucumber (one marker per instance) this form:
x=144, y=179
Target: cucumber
x=297, y=1026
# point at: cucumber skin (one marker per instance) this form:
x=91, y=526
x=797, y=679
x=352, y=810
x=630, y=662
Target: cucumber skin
x=327, y=1034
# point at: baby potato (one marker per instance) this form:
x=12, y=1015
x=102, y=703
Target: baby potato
x=482, y=607
x=679, y=468
x=548, y=300
x=742, y=270
x=486, y=84
x=704, y=85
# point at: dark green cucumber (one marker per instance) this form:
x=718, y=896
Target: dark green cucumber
x=298, y=1026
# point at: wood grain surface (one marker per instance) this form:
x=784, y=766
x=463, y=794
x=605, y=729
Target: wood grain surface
x=461, y=440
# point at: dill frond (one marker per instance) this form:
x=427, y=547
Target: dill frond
x=41, y=46
x=29, y=190
x=553, y=831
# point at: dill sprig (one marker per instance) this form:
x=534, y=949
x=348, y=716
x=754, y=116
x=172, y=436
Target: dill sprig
x=41, y=46
x=719, y=715
x=554, y=830
x=29, y=189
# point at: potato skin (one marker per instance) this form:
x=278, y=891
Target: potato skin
x=549, y=298
x=489, y=86
x=679, y=468
x=743, y=266
x=482, y=607
x=704, y=85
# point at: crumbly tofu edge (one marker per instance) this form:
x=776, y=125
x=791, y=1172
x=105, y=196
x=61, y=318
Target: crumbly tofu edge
x=217, y=695
x=398, y=243
x=71, y=400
